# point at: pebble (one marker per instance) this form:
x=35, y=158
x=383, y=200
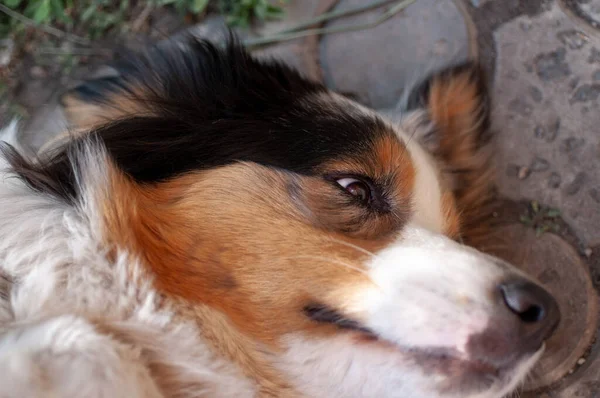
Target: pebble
x=580, y=361
x=523, y=173
x=588, y=252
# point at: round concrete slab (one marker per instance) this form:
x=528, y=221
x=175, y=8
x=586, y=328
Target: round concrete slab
x=559, y=267
x=377, y=63
x=301, y=54
x=585, y=382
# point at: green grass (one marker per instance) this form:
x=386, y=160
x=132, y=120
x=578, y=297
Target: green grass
x=93, y=19
x=541, y=219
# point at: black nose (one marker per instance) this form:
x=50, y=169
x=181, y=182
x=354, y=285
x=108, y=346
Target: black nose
x=535, y=308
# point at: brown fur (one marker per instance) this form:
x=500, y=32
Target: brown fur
x=210, y=237
x=458, y=108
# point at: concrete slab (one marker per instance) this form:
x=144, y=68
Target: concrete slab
x=302, y=54
x=546, y=115
x=375, y=64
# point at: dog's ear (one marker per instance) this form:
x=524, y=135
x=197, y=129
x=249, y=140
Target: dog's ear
x=458, y=103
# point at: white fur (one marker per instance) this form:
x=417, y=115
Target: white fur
x=59, y=293
x=427, y=195
x=335, y=368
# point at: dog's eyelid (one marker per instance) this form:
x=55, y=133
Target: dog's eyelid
x=376, y=199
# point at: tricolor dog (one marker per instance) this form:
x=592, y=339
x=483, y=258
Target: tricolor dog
x=220, y=226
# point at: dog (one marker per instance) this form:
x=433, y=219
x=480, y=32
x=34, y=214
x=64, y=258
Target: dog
x=219, y=226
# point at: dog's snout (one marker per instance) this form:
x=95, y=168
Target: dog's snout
x=535, y=308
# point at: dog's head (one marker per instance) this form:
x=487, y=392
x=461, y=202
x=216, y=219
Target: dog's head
x=323, y=233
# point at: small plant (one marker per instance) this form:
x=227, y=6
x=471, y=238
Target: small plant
x=184, y=6
x=541, y=219
x=95, y=18
x=41, y=11
x=241, y=12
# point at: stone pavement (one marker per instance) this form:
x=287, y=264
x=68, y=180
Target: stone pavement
x=543, y=59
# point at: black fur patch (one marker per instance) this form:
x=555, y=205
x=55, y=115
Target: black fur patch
x=55, y=177
x=323, y=314
x=211, y=106
x=214, y=106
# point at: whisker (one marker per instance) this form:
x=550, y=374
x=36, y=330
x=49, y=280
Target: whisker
x=337, y=262
x=353, y=246
x=333, y=260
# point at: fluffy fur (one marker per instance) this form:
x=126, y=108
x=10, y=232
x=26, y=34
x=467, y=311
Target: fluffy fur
x=220, y=226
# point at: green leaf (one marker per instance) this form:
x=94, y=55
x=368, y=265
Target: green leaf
x=180, y=6
x=260, y=10
x=553, y=213
x=12, y=3
x=526, y=220
x=42, y=13
x=31, y=7
x=58, y=11
x=535, y=206
x=110, y=20
x=198, y=6
x=274, y=9
x=275, y=14
x=539, y=231
x=57, y=6
x=88, y=12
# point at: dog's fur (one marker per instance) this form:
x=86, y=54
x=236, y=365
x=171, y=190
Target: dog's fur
x=222, y=227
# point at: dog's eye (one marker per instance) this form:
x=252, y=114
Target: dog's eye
x=356, y=187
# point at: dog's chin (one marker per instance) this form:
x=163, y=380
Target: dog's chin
x=459, y=374
x=443, y=373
